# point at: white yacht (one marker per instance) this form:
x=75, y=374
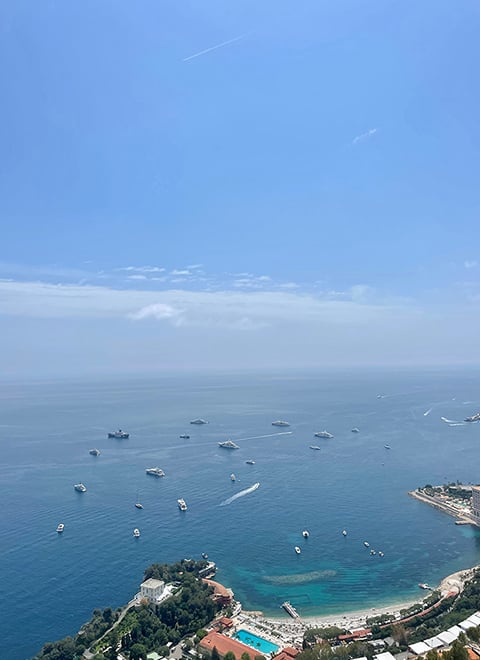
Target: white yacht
x=80, y=488
x=198, y=421
x=155, y=472
x=94, y=452
x=182, y=505
x=228, y=444
x=136, y=532
x=60, y=528
x=387, y=446
x=280, y=422
x=120, y=435
x=305, y=533
x=381, y=554
x=355, y=430
x=250, y=462
x=366, y=544
x=316, y=447
x=233, y=477
x=297, y=550
x=344, y=532
x=323, y=434
x=185, y=436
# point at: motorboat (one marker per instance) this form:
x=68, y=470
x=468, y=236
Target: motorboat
x=250, y=462
x=233, y=477
x=355, y=430
x=305, y=533
x=473, y=418
x=136, y=532
x=424, y=585
x=81, y=488
x=387, y=446
x=137, y=503
x=155, y=472
x=372, y=552
x=204, y=555
x=323, y=434
x=344, y=532
x=182, y=505
x=297, y=550
x=316, y=447
x=185, y=436
x=280, y=422
x=228, y=444
x=198, y=421
x=366, y=544
x=94, y=452
x=60, y=528
x=381, y=554
x=120, y=435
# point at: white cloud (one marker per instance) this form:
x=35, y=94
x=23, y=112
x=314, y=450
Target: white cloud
x=142, y=269
x=470, y=264
x=158, y=311
x=137, y=277
x=365, y=136
x=180, y=272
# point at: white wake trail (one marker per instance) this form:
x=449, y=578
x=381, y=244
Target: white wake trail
x=450, y=421
x=427, y=412
x=268, y=435
x=242, y=493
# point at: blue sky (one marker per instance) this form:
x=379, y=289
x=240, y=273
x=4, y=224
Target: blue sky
x=305, y=194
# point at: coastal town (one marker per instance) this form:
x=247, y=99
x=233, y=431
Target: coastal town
x=458, y=500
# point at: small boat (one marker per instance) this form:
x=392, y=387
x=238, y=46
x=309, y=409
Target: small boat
x=297, y=550
x=372, y=552
x=366, y=544
x=228, y=444
x=355, y=430
x=250, y=462
x=381, y=554
x=120, y=435
x=424, y=585
x=280, y=422
x=198, y=421
x=316, y=447
x=60, y=528
x=182, y=505
x=185, y=436
x=137, y=503
x=204, y=555
x=233, y=477
x=387, y=446
x=155, y=472
x=81, y=488
x=94, y=452
x=323, y=434
x=305, y=533
x=344, y=532
x=136, y=532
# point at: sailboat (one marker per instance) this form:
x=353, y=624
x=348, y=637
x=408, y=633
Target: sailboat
x=137, y=503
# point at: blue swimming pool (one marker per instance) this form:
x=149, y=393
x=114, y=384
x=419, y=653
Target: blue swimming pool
x=256, y=642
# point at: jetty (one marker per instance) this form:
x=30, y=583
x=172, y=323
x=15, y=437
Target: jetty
x=443, y=498
x=288, y=607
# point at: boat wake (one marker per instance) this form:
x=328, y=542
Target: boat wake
x=451, y=421
x=427, y=412
x=457, y=424
x=268, y=435
x=242, y=493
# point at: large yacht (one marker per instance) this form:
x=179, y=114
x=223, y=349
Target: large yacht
x=323, y=434
x=122, y=435
x=473, y=418
x=198, y=421
x=280, y=422
x=94, y=452
x=80, y=487
x=182, y=505
x=228, y=444
x=60, y=528
x=155, y=472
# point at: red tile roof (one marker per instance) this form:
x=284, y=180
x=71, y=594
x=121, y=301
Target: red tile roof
x=225, y=644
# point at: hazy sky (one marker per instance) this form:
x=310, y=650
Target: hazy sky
x=237, y=184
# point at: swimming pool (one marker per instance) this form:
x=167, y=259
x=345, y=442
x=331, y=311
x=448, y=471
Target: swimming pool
x=256, y=642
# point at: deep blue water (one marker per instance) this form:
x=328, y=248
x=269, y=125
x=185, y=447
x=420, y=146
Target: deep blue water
x=51, y=583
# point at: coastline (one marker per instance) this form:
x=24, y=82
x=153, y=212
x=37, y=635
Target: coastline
x=352, y=620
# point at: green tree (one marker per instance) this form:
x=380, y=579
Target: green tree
x=432, y=655
x=456, y=652
x=215, y=654
x=245, y=656
x=231, y=656
x=138, y=652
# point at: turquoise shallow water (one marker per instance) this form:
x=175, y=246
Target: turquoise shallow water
x=51, y=582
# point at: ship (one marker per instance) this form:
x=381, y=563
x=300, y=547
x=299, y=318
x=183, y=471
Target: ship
x=316, y=447
x=473, y=418
x=120, y=435
x=305, y=533
x=182, y=505
x=424, y=585
x=80, y=488
x=297, y=549
x=185, y=436
x=228, y=444
x=280, y=422
x=355, y=430
x=250, y=462
x=136, y=532
x=94, y=452
x=60, y=528
x=323, y=434
x=233, y=477
x=155, y=472
x=198, y=421
x=288, y=607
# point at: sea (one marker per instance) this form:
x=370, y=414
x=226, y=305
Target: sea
x=52, y=582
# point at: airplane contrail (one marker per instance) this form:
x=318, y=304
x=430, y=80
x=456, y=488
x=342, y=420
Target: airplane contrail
x=208, y=50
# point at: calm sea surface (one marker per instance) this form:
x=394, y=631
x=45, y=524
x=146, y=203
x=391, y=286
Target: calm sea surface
x=51, y=583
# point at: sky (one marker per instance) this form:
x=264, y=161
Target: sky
x=248, y=184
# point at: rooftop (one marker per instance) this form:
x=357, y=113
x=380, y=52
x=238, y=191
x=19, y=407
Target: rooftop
x=152, y=583
x=224, y=644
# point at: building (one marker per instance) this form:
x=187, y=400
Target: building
x=476, y=503
x=221, y=594
x=287, y=653
x=223, y=644
x=152, y=590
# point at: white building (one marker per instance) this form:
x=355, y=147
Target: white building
x=476, y=502
x=152, y=590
